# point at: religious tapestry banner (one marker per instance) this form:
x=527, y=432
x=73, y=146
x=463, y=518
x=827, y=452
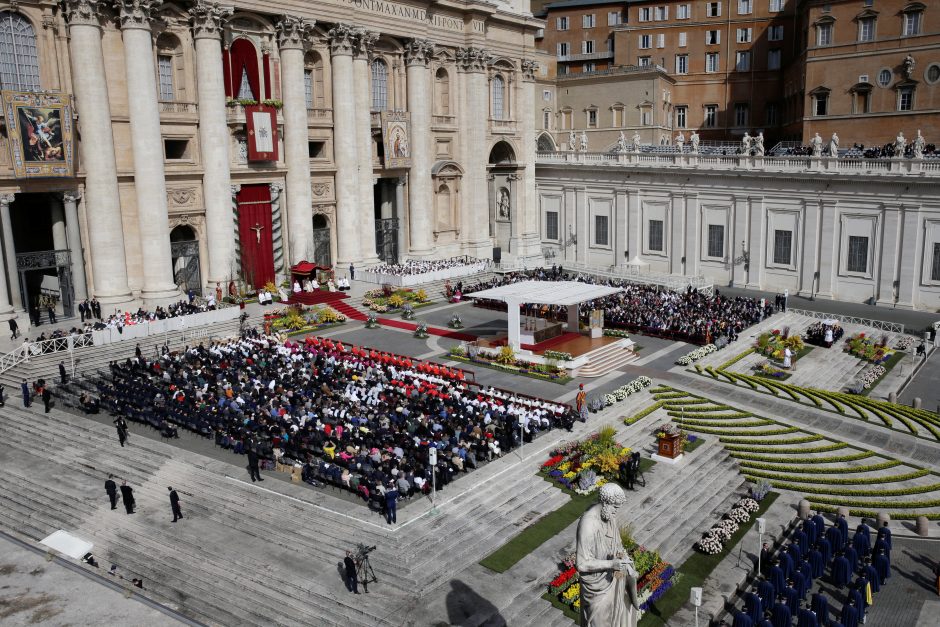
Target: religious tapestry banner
x=262, y=132
x=39, y=127
x=396, y=138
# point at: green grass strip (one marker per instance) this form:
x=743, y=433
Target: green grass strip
x=804, y=460
x=763, y=442
x=735, y=359
x=877, y=504
x=891, y=463
x=786, y=451
x=695, y=570
x=865, y=513
x=722, y=432
x=751, y=474
x=829, y=490
x=722, y=423
x=536, y=534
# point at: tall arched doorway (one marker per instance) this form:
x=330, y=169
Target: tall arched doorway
x=321, y=241
x=504, y=222
x=184, y=247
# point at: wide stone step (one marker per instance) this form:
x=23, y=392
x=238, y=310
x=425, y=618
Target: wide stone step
x=677, y=548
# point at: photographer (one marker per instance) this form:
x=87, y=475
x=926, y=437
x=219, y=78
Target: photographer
x=351, y=581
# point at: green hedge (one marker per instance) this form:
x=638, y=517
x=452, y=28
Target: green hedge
x=752, y=474
x=735, y=359
x=808, y=460
x=879, y=504
x=723, y=423
x=696, y=407
x=762, y=442
x=920, y=489
x=722, y=432
x=866, y=513
x=642, y=414
x=891, y=463
x=785, y=451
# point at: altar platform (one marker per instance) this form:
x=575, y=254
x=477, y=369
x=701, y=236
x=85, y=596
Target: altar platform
x=590, y=357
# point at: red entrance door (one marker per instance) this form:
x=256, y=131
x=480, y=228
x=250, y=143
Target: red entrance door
x=254, y=233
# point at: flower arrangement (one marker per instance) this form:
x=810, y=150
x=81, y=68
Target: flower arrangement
x=386, y=298
x=624, y=391
x=299, y=319
x=455, y=322
x=759, y=490
x=748, y=505
x=871, y=375
x=767, y=369
x=775, y=343
x=710, y=544
x=616, y=333
x=697, y=354
x=372, y=322
x=739, y=515
x=586, y=465
x=557, y=355
x=597, y=403
x=407, y=312
x=904, y=343
x=506, y=355
x=421, y=331
x=868, y=349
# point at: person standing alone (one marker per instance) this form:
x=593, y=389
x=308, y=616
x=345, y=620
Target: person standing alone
x=46, y=397
x=253, y=469
x=351, y=582
x=111, y=488
x=127, y=495
x=24, y=387
x=175, y=504
x=121, y=425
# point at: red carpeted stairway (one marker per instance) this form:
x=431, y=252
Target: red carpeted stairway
x=348, y=310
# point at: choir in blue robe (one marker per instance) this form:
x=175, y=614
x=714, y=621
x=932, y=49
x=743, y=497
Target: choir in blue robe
x=742, y=620
x=754, y=607
x=882, y=567
x=820, y=605
x=806, y=618
x=841, y=573
x=817, y=563
x=781, y=615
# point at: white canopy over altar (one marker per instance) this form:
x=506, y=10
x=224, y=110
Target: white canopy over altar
x=566, y=293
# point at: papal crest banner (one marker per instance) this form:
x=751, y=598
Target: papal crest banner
x=40, y=131
x=261, y=121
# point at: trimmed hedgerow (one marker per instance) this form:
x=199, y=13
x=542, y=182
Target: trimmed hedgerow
x=891, y=463
x=920, y=489
x=735, y=359
x=757, y=474
x=722, y=432
x=697, y=408
x=865, y=513
x=720, y=423
x=766, y=442
x=642, y=414
x=879, y=504
x=782, y=451
x=814, y=460
x=701, y=415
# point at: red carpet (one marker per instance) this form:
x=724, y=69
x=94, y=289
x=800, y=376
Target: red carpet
x=555, y=341
x=316, y=298
x=348, y=310
x=411, y=326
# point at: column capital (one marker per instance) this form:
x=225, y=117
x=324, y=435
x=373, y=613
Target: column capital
x=293, y=32
x=342, y=40
x=83, y=12
x=529, y=68
x=365, y=42
x=276, y=188
x=71, y=196
x=207, y=19
x=6, y=199
x=136, y=13
x=418, y=52
x=473, y=59
x=235, y=190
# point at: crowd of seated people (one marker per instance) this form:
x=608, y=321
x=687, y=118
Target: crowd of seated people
x=413, y=266
x=358, y=419
x=690, y=316
x=855, y=568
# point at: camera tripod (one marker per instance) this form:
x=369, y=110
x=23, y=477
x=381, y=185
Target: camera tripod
x=364, y=573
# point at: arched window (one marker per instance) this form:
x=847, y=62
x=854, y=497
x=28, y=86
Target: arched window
x=499, y=94
x=246, y=84
x=379, y=85
x=313, y=81
x=168, y=61
x=19, y=64
x=442, y=85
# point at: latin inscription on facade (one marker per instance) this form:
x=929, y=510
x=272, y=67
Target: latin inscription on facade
x=413, y=13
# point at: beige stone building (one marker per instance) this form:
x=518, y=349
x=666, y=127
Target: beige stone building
x=214, y=143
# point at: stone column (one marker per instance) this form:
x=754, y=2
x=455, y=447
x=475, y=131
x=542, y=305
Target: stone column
x=527, y=200
x=475, y=107
x=342, y=42
x=692, y=231
x=74, y=238
x=891, y=243
x=634, y=227
x=293, y=33
x=739, y=238
x=400, y=208
x=809, y=246
x=676, y=245
x=6, y=308
x=90, y=83
x=755, y=277
x=362, y=81
x=207, y=19
x=147, y=142
x=912, y=230
x=59, y=241
x=420, y=192
x=828, y=248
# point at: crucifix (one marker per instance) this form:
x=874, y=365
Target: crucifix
x=257, y=229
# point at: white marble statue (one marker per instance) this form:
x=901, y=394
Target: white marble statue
x=621, y=143
x=694, y=139
x=817, y=145
x=746, y=144
x=908, y=65
x=919, y=144
x=572, y=141
x=680, y=141
x=608, y=576
x=899, y=144
x=584, y=142
x=834, y=146
x=636, y=142
x=759, y=144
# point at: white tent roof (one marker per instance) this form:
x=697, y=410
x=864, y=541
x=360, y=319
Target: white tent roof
x=546, y=292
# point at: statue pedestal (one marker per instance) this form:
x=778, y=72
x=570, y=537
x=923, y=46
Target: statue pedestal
x=667, y=460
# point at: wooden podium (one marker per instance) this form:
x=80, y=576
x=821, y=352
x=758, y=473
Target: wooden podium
x=670, y=446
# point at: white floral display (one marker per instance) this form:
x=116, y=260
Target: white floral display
x=697, y=354
x=626, y=390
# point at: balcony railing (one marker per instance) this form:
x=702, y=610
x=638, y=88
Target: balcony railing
x=587, y=56
x=376, y=117
x=444, y=120
x=320, y=115
x=856, y=166
x=173, y=106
